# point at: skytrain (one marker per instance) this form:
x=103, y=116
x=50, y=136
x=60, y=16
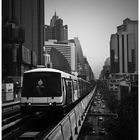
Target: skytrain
x=47, y=89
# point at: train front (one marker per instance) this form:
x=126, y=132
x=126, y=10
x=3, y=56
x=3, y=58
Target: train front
x=41, y=92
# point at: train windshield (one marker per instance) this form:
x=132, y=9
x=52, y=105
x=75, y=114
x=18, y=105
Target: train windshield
x=41, y=84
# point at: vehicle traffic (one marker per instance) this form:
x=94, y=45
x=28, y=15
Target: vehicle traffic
x=102, y=131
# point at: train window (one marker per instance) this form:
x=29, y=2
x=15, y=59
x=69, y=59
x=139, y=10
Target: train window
x=75, y=90
x=40, y=84
x=80, y=87
x=69, y=91
x=64, y=89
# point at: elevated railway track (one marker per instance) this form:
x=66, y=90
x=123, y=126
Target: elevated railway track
x=67, y=127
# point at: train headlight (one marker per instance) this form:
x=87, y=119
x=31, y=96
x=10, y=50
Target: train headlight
x=50, y=103
x=29, y=103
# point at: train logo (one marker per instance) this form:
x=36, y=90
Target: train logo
x=40, y=82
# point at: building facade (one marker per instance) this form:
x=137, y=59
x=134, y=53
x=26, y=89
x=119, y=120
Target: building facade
x=106, y=70
x=88, y=71
x=22, y=36
x=80, y=63
x=56, y=30
x=62, y=55
x=124, y=48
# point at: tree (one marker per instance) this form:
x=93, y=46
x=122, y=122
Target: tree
x=126, y=126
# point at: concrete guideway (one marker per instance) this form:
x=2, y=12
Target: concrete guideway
x=69, y=127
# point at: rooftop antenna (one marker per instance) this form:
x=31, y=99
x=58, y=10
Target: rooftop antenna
x=55, y=11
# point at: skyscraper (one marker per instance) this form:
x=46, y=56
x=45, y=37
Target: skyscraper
x=80, y=64
x=124, y=48
x=62, y=55
x=22, y=36
x=56, y=30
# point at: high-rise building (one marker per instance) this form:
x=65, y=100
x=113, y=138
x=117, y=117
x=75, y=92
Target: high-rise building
x=89, y=76
x=62, y=55
x=56, y=30
x=106, y=69
x=80, y=63
x=124, y=48
x=22, y=36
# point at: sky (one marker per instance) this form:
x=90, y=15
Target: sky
x=93, y=22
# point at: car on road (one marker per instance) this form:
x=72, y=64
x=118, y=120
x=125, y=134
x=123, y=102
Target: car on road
x=103, y=106
x=102, y=131
x=100, y=118
x=88, y=129
x=92, y=132
x=94, y=110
